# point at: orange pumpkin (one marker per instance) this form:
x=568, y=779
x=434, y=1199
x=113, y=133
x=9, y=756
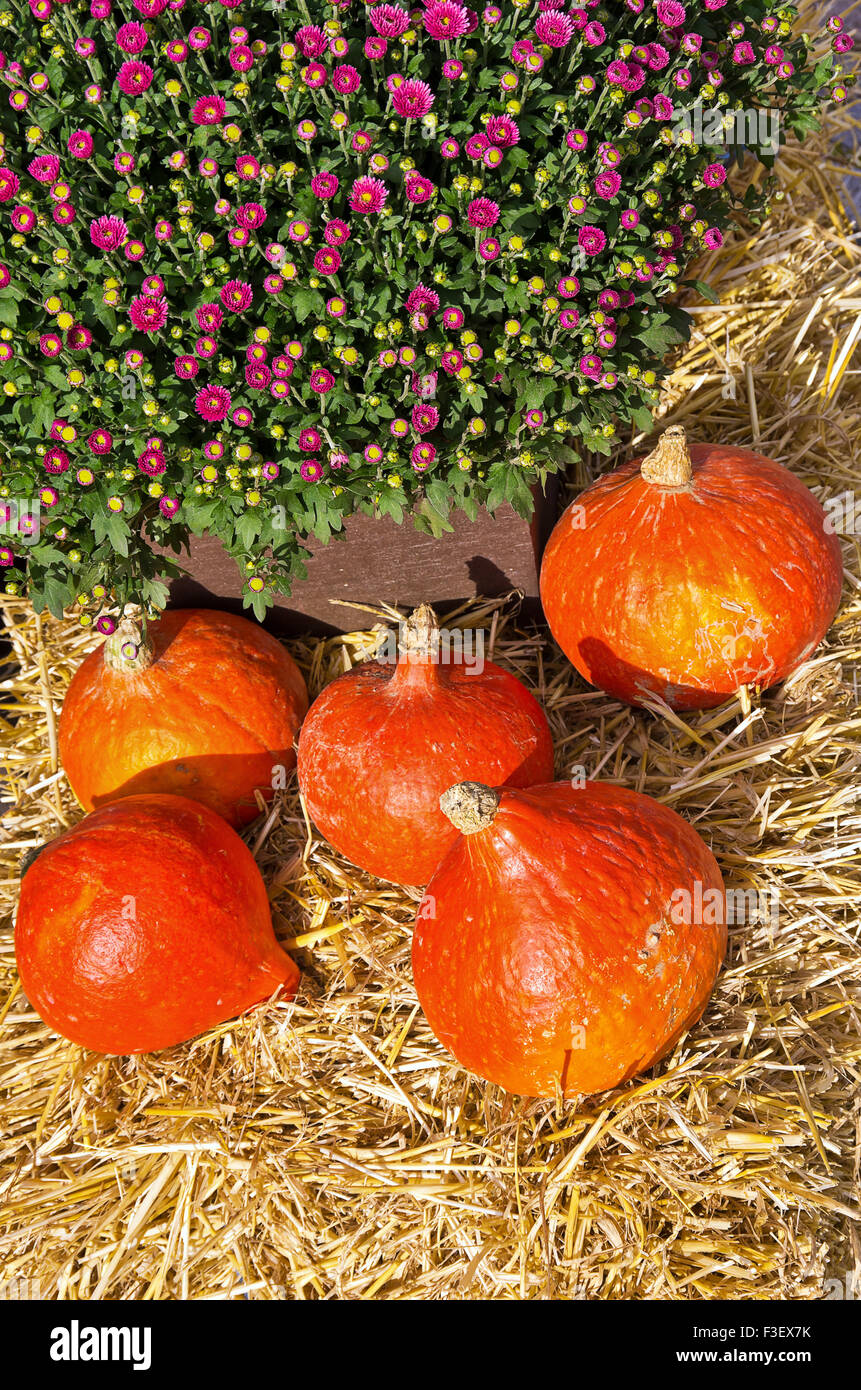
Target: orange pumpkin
x=382, y=742
x=146, y=924
x=207, y=706
x=691, y=573
x=569, y=937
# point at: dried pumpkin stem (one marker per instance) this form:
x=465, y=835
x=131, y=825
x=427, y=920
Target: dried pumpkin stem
x=420, y=633
x=470, y=806
x=669, y=464
x=127, y=649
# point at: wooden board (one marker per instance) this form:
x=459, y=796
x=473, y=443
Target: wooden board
x=377, y=560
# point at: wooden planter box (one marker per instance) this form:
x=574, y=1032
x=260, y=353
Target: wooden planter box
x=380, y=561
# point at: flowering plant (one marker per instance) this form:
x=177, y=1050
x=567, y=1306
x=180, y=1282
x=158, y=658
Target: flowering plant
x=266, y=264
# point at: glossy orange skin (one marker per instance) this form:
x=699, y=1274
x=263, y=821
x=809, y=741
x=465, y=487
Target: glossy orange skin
x=383, y=742
x=690, y=593
x=545, y=951
x=211, y=718
x=146, y=924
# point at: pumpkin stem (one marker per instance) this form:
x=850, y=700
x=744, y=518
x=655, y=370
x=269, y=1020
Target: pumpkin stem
x=470, y=806
x=127, y=649
x=420, y=634
x=669, y=464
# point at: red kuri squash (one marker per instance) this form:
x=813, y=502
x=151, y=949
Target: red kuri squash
x=382, y=742
x=146, y=924
x=207, y=707
x=690, y=573
x=569, y=937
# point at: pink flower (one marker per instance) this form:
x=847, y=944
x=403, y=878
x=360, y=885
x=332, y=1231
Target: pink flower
x=482, y=212
x=100, y=441
x=186, y=367
x=443, y=19
x=368, y=195
x=147, y=314
x=421, y=298
x=607, y=185
x=9, y=184
x=346, y=80
x=236, y=296
x=80, y=144
x=251, y=216
x=209, y=317
x=417, y=188
x=336, y=232
x=321, y=381
x=413, y=99
x=327, y=262
x=503, y=131
x=390, y=21
x=311, y=41
x=212, y=402
x=425, y=418
x=591, y=240
x=108, y=233
x=134, y=77
x=311, y=470
x=309, y=441
x=209, y=110
x=555, y=28
x=257, y=376
x=132, y=38
x=45, y=167
x=325, y=184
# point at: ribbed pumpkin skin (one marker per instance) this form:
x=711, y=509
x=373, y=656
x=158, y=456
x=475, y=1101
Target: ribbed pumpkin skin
x=382, y=743
x=144, y=925
x=690, y=593
x=557, y=918
x=211, y=717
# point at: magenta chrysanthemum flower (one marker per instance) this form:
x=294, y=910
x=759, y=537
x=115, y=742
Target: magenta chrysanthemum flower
x=336, y=232
x=23, y=219
x=630, y=218
x=168, y=506
x=327, y=261
x=743, y=54
x=424, y=418
x=209, y=317
x=45, y=167
x=152, y=462
x=311, y=470
x=9, y=184
x=212, y=402
x=417, y=188
x=251, y=216
x=78, y=338
x=132, y=37
x=489, y=249
x=50, y=344
x=186, y=367
x=236, y=296
x=482, y=212
x=134, y=77
x=555, y=28
x=346, y=79
x=148, y=315
x=56, y=460
x=502, y=131
x=591, y=240
x=325, y=184
x=368, y=195
x=413, y=99
x=108, y=233
x=241, y=59
x=607, y=185
x=257, y=376
x=444, y=19
x=421, y=298
x=390, y=21
x=714, y=175
x=309, y=441
x=713, y=238
x=209, y=110
x=80, y=144
x=311, y=41
x=670, y=13
x=100, y=441
x=321, y=381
